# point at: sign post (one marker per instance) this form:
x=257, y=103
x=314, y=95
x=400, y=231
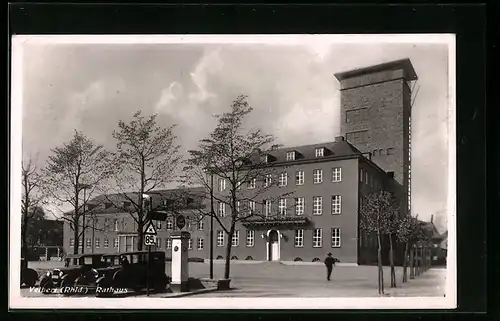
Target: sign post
x=149, y=240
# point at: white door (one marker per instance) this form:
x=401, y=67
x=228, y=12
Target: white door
x=274, y=252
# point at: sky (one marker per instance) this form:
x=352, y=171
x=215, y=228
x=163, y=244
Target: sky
x=291, y=86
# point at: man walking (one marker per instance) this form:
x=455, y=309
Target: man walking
x=329, y=262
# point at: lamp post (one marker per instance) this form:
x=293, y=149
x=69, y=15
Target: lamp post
x=84, y=187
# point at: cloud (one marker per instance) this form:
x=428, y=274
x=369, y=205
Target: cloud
x=167, y=95
x=210, y=63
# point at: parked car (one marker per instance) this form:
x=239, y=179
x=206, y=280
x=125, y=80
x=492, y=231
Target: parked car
x=134, y=273
x=28, y=276
x=79, y=274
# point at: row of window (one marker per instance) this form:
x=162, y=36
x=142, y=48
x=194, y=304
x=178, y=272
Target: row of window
x=283, y=209
x=317, y=238
x=97, y=243
x=283, y=179
x=368, y=179
x=382, y=152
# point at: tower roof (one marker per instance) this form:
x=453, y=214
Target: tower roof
x=404, y=64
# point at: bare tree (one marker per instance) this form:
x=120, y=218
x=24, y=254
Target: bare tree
x=407, y=233
x=77, y=165
x=31, y=200
x=146, y=158
x=230, y=164
x=377, y=216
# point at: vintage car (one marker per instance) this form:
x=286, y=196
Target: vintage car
x=28, y=276
x=135, y=273
x=79, y=274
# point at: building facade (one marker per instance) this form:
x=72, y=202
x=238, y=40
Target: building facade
x=326, y=183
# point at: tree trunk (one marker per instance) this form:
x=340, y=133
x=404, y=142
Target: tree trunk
x=391, y=260
x=412, y=262
x=380, y=267
x=140, y=235
x=227, y=266
x=405, y=264
x=417, y=255
x=76, y=236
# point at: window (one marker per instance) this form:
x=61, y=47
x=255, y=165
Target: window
x=107, y=205
x=318, y=176
x=357, y=137
x=126, y=204
x=235, y=240
x=220, y=238
x=336, y=204
x=299, y=238
x=250, y=238
x=200, y=244
x=71, y=242
x=251, y=183
x=190, y=244
x=366, y=177
x=222, y=209
x=268, y=180
x=89, y=243
x=335, y=237
x=200, y=224
x=264, y=158
x=168, y=243
x=318, y=237
x=299, y=178
x=299, y=206
x=282, y=206
x=374, y=152
x=283, y=179
x=381, y=152
x=267, y=205
x=320, y=152
x=97, y=243
x=188, y=224
x=356, y=115
x=106, y=243
x=317, y=205
x=237, y=208
x=169, y=223
x=116, y=225
x=251, y=206
x=106, y=225
x=290, y=156
x=222, y=184
x=158, y=225
x=336, y=174
x=116, y=242
x=390, y=151
x=361, y=175
x=158, y=242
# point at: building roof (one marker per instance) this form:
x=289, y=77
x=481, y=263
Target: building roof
x=404, y=64
x=340, y=148
x=114, y=203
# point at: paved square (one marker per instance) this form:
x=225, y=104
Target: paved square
x=272, y=279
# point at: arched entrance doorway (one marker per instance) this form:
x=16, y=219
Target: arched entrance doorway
x=273, y=245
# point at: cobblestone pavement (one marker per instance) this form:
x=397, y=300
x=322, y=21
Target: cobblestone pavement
x=272, y=279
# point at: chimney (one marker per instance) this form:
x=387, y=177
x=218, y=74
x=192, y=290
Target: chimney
x=339, y=139
x=432, y=217
x=390, y=174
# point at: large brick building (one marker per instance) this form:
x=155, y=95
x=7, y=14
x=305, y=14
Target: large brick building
x=328, y=181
